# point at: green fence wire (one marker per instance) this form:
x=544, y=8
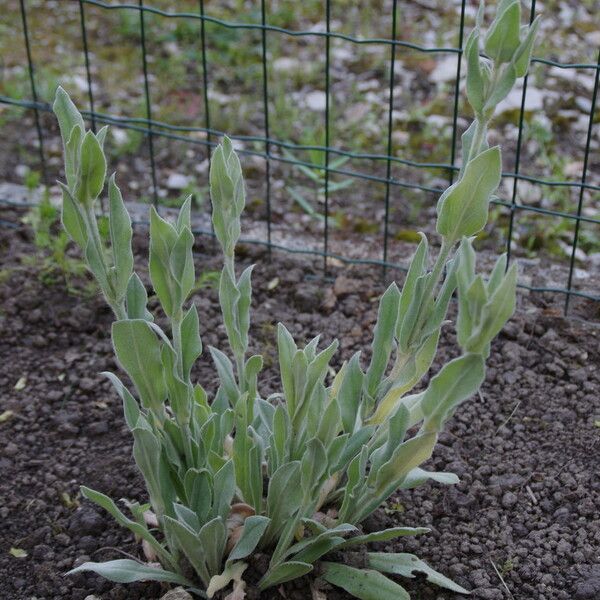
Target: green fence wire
x=152, y=128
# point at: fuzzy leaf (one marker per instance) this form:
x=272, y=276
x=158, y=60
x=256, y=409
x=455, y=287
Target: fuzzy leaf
x=385, y=535
x=383, y=338
x=138, y=350
x=414, y=369
x=190, y=339
x=522, y=56
x=147, y=455
x=455, y=382
x=418, y=476
x=131, y=409
x=463, y=207
x=127, y=571
x=189, y=543
x=406, y=565
x=406, y=457
x=141, y=531
x=494, y=314
x=502, y=88
x=181, y=264
x=68, y=119
x=364, y=584
x=136, y=299
x=254, y=527
x=120, y=237
x=284, y=572
x=475, y=83
x=73, y=156
x=213, y=537
x=162, y=239
x=503, y=37
x=72, y=220
x=92, y=170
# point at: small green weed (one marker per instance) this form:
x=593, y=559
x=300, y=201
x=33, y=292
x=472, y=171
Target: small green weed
x=51, y=260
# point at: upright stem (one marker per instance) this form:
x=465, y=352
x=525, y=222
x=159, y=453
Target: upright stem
x=434, y=279
x=117, y=307
x=481, y=121
x=436, y=273
x=177, y=343
x=478, y=138
x=229, y=266
x=438, y=267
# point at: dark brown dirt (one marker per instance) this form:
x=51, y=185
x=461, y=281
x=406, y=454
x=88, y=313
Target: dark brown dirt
x=527, y=451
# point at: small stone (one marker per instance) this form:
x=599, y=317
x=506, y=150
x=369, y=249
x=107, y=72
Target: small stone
x=177, y=181
x=87, y=521
x=285, y=64
x=444, y=71
x=11, y=449
x=479, y=578
x=490, y=594
x=63, y=539
x=315, y=100
x=509, y=500
x=98, y=428
x=177, y=594
x=21, y=170
x=588, y=589
x=508, y=482
x=87, y=543
x=306, y=299
x=43, y=552
x=39, y=341
x=562, y=515
x=563, y=547
x=344, y=286
x=87, y=384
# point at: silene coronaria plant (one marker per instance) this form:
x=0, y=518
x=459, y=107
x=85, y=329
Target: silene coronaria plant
x=292, y=476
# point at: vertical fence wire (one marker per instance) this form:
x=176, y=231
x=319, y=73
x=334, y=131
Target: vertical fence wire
x=461, y=35
x=388, y=166
x=327, y=108
x=148, y=104
x=586, y=157
x=263, y=14
x=513, y=201
x=207, y=110
x=205, y=79
x=34, y=95
x=86, y=56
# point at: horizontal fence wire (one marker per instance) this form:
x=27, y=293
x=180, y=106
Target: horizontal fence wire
x=392, y=266
x=207, y=136
x=136, y=124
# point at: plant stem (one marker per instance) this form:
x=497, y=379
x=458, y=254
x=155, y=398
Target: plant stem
x=117, y=307
x=229, y=266
x=478, y=138
x=438, y=268
x=177, y=343
x=481, y=121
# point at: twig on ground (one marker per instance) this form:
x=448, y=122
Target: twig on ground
x=514, y=410
x=531, y=494
x=501, y=578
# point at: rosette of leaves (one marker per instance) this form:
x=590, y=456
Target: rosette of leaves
x=292, y=476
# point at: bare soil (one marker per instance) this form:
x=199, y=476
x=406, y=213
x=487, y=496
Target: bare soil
x=523, y=523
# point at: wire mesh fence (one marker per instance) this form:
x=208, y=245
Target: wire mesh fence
x=390, y=168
